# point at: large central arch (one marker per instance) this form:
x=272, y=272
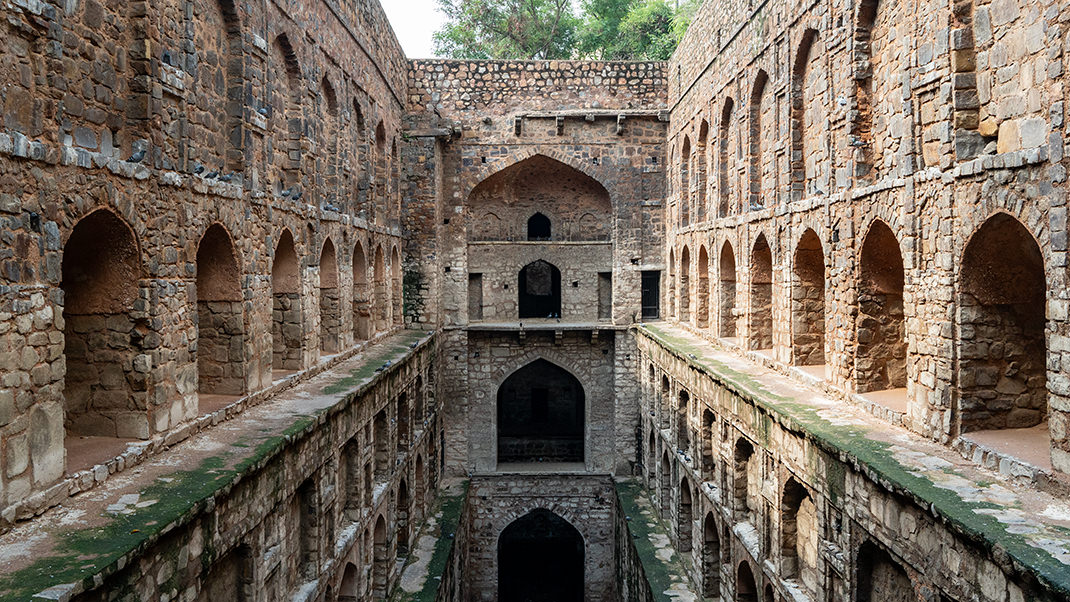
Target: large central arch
x=540, y=559
x=541, y=415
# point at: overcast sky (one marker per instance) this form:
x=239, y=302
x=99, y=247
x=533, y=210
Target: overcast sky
x=414, y=21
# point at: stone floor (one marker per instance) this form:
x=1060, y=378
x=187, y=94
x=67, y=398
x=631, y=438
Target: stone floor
x=653, y=543
x=1031, y=445
x=1032, y=524
x=69, y=543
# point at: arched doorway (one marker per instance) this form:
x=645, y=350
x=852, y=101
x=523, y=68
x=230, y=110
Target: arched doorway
x=540, y=559
x=286, y=328
x=711, y=558
x=101, y=269
x=539, y=286
x=349, y=590
x=541, y=415
x=881, y=578
x=220, y=323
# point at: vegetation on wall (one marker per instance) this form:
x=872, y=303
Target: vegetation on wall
x=552, y=29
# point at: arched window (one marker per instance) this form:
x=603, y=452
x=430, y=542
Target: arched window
x=538, y=227
x=539, y=289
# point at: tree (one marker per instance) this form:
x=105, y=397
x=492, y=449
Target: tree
x=646, y=33
x=507, y=29
x=601, y=22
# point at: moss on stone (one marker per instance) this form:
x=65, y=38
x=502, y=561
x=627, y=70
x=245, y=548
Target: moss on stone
x=661, y=575
x=449, y=507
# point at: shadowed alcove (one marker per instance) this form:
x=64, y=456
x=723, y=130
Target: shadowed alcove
x=539, y=291
x=540, y=415
x=540, y=559
x=220, y=323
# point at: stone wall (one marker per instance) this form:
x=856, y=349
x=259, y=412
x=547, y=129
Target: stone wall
x=760, y=499
x=874, y=145
x=293, y=524
x=126, y=138
x=585, y=501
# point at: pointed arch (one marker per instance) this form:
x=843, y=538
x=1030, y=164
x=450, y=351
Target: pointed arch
x=380, y=560
x=881, y=357
x=286, y=311
x=397, y=287
x=100, y=273
x=685, y=183
x=761, y=295
x=702, y=312
x=808, y=124
x=330, y=300
x=380, y=301
x=700, y=168
x=362, y=308
x=754, y=152
x=541, y=415
x=685, y=284
x=532, y=548
x=711, y=558
x=220, y=320
x=727, y=305
x=808, y=302
x=1002, y=321
x=799, y=537
x=684, y=526
x=725, y=163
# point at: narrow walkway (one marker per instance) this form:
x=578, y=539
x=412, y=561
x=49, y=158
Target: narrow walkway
x=97, y=532
x=1031, y=525
x=422, y=576
x=667, y=578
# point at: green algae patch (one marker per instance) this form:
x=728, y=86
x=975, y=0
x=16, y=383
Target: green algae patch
x=852, y=445
x=451, y=507
x=377, y=358
x=661, y=575
x=79, y=554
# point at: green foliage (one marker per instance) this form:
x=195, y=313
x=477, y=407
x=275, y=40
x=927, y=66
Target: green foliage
x=507, y=29
x=547, y=29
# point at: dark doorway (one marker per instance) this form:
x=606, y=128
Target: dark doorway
x=540, y=415
x=540, y=559
x=540, y=291
x=538, y=227
x=651, y=295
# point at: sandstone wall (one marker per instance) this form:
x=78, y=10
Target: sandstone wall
x=813, y=129
x=127, y=131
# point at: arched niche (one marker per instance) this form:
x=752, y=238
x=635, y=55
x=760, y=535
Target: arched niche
x=220, y=320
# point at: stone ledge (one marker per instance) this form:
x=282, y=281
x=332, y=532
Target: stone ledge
x=969, y=501
x=140, y=451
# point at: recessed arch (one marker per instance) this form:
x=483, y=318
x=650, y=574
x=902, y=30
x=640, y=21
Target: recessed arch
x=683, y=428
x=711, y=557
x=799, y=536
x=672, y=291
x=684, y=525
x=746, y=587
x=380, y=294
x=761, y=295
x=755, y=136
x=746, y=481
x=541, y=556
x=666, y=485
x=685, y=285
x=685, y=183
x=220, y=319
x=880, y=577
x=397, y=287
x=702, y=311
x=329, y=96
x=286, y=314
x=541, y=415
x=349, y=590
x=808, y=302
x=726, y=160
x=700, y=170
x=362, y=302
x=380, y=560
x=539, y=291
x=577, y=204
x=727, y=305
x=808, y=122
x=881, y=357
x=402, y=520
x=330, y=300
x=101, y=270
x=1002, y=320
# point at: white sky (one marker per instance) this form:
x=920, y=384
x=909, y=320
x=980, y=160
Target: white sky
x=414, y=21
